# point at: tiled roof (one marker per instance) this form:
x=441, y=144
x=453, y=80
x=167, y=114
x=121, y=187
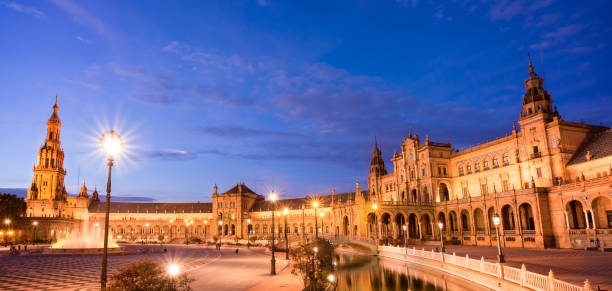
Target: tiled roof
x=296, y=203
x=146, y=207
x=240, y=188
x=599, y=146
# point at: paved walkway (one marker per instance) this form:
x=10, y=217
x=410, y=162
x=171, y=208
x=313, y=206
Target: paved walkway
x=569, y=265
x=213, y=270
x=284, y=281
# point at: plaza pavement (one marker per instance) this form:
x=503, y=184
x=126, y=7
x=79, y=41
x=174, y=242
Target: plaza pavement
x=213, y=270
x=573, y=266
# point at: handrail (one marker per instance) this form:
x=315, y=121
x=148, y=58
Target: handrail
x=518, y=276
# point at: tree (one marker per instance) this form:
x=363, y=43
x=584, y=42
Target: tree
x=147, y=275
x=11, y=206
x=313, y=268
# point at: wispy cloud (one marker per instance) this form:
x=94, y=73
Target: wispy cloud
x=168, y=155
x=264, y=3
x=244, y=132
x=23, y=9
x=412, y=3
x=564, y=32
x=584, y=49
x=83, y=40
x=548, y=19
x=507, y=10
x=91, y=85
x=81, y=15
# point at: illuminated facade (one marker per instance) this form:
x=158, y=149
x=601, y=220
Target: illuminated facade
x=549, y=180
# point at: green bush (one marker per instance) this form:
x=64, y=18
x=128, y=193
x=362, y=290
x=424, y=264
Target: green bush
x=147, y=275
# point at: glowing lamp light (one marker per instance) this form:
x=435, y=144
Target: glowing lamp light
x=440, y=225
x=249, y=221
x=7, y=221
x=146, y=224
x=205, y=221
x=331, y=278
x=173, y=269
x=316, y=249
x=171, y=220
x=96, y=224
x=322, y=214
x=35, y=223
x=374, y=206
x=496, y=219
x=315, y=204
x=1, y=233
x=10, y=232
x=111, y=142
x=404, y=227
x=273, y=196
x=285, y=211
x=220, y=223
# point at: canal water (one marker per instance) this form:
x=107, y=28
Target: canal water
x=372, y=273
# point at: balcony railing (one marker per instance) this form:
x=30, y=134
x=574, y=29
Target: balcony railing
x=535, y=155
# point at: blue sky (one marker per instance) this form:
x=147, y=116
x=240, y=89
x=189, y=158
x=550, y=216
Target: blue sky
x=282, y=95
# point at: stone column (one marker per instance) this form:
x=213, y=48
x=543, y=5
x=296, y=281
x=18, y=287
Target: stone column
x=420, y=231
x=566, y=220
x=593, y=216
x=586, y=219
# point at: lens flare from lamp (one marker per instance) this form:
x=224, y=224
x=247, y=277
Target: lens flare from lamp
x=440, y=225
x=111, y=142
x=496, y=219
x=173, y=269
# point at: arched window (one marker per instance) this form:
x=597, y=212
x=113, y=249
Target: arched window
x=486, y=164
x=460, y=171
x=477, y=167
x=508, y=218
x=469, y=169
x=506, y=159
x=526, y=216
x=495, y=162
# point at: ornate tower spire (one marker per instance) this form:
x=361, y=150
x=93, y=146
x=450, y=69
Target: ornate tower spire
x=536, y=100
x=48, y=171
x=377, y=165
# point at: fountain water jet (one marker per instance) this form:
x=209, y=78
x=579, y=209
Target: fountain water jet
x=86, y=240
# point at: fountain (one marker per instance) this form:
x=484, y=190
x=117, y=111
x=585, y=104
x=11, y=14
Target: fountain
x=88, y=240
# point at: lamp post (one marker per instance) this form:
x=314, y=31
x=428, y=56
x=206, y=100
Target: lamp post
x=441, y=225
x=500, y=255
x=35, y=224
x=285, y=213
x=187, y=232
x=248, y=233
x=111, y=143
x=205, y=223
x=404, y=227
x=7, y=222
x=146, y=231
x=314, y=268
x=315, y=204
x=322, y=214
x=273, y=260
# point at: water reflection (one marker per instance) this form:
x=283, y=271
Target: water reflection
x=362, y=272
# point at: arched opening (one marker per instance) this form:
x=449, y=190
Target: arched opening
x=233, y=229
x=386, y=224
x=426, y=195
x=452, y=220
x=479, y=223
x=400, y=221
x=225, y=229
x=508, y=217
x=575, y=215
x=250, y=228
x=413, y=195
x=426, y=224
x=403, y=196
x=372, y=221
x=413, y=231
x=443, y=192
x=526, y=216
x=465, y=220
x=490, y=214
x=345, y=226
x=602, y=212
x=442, y=218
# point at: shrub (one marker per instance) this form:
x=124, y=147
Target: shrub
x=313, y=269
x=148, y=275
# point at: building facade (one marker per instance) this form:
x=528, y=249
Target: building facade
x=549, y=180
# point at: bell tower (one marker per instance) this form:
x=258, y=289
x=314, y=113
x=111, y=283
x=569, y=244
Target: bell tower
x=536, y=100
x=49, y=170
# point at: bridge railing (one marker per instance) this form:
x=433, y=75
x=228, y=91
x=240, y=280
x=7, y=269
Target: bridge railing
x=518, y=276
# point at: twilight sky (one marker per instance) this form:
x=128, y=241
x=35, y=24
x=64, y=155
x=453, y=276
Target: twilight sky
x=284, y=95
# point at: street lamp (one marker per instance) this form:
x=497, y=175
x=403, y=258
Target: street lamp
x=205, y=223
x=285, y=212
x=500, y=255
x=315, y=204
x=111, y=143
x=173, y=270
x=273, y=198
x=441, y=225
x=35, y=224
x=187, y=233
x=405, y=238
x=248, y=233
x=146, y=231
